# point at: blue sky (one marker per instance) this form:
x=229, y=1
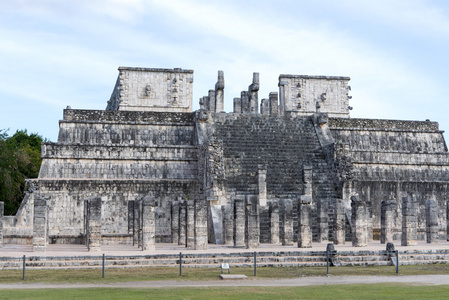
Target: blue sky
x=56, y=53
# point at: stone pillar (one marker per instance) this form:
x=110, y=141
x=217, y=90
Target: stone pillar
x=237, y=106
x=200, y=223
x=136, y=222
x=252, y=222
x=131, y=217
x=447, y=220
x=175, y=222
x=323, y=220
x=190, y=224
x=387, y=217
x=182, y=223
x=304, y=214
x=339, y=221
x=94, y=224
x=148, y=225
x=228, y=225
x=432, y=221
x=265, y=107
x=262, y=185
x=359, y=222
x=274, y=107
x=287, y=221
x=137, y=238
x=409, y=220
x=2, y=214
x=245, y=102
x=219, y=92
x=253, y=94
x=274, y=222
x=40, y=233
x=282, y=100
x=239, y=222
x=212, y=101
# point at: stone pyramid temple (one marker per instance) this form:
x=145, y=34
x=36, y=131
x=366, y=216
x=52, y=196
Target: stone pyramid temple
x=286, y=169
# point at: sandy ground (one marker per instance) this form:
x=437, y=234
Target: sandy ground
x=304, y=281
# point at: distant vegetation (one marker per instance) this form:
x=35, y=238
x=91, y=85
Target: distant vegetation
x=20, y=158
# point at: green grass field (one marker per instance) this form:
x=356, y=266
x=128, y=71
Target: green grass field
x=350, y=291
x=366, y=292
x=172, y=273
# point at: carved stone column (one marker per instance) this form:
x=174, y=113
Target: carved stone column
x=131, y=217
x=304, y=214
x=182, y=222
x=359, y=222
x=148, y=225
x=228, y=225
x=190, y=224
x=253, y=94
x=137, y=223
x=201, y=238
x=274, y=106
x=94, y=224
x=237, y=106
x=339, y=222
x=287, y=221
x=212, y=101
x=387, y=217
x=175, y=222
x=219, y=92
x=252, y=222
x=323, y=220
x=409, y=222
x=245, y=102
x=239, y=222
x=40, y=230
x=432, y=221
x=447, y=220
x=274, y=222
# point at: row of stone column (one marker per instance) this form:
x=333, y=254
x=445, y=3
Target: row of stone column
x=214, y=101
x=410, y=221
x=189, y=223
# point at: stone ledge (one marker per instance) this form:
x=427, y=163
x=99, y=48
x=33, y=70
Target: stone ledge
x=232, y=276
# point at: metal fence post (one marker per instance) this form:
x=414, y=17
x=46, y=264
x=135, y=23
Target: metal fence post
x=180, y=263
x=103, y=266
x=327, y=262
x=23, y=275
x=255, y=264
x=397, y=261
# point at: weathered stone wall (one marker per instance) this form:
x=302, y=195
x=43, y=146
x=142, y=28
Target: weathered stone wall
x=144, y=89
x=392, y=159
x=66, y=204
x=300, y=93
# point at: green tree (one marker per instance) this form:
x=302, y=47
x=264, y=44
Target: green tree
x=19, y=159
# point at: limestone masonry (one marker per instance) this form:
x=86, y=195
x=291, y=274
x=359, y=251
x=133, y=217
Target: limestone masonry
x=291, y=168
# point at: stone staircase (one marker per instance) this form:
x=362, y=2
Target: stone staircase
x=214, y=260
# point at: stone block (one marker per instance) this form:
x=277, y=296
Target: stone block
x=359, y=222
x=287, y=221
x=239, y=222
x=252, y=222
x=432, y=221
x=409, y=222
x=339, y=221
x=387, y=218
x=274, y=222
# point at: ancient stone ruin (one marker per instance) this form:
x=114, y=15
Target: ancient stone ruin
x=290, y=169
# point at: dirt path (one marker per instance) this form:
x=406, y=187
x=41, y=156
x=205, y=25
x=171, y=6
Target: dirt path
x=304, y=281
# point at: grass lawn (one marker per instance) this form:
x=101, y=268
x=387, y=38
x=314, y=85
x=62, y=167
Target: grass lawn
x=172, y=273
x=334, y=292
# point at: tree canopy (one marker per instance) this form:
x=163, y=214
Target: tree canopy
x=20, y=158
